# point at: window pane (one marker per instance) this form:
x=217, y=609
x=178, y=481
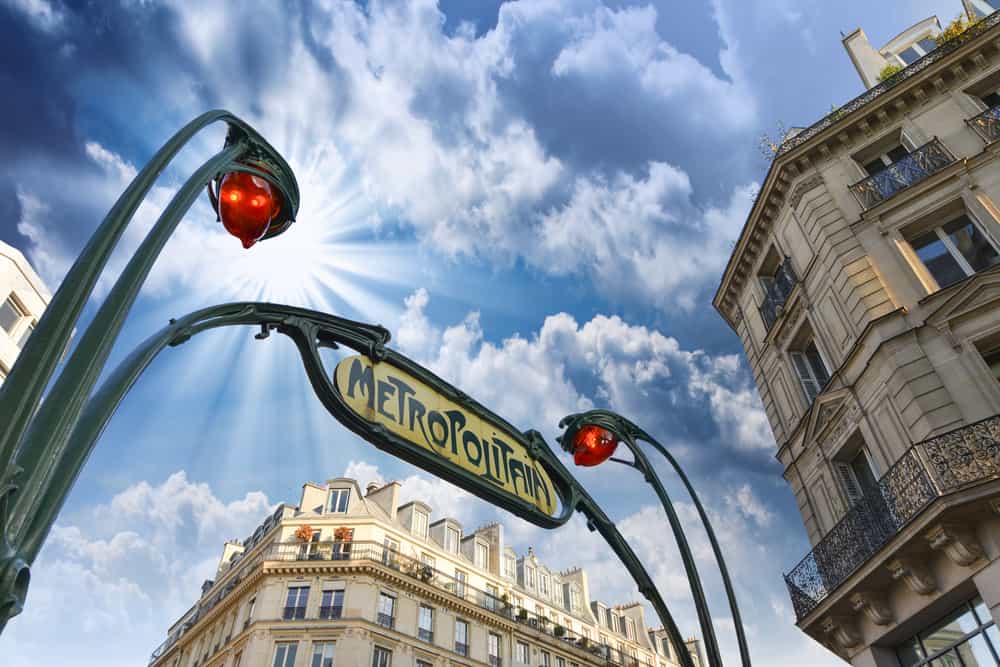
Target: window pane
x=896, y=154
x=909, y=55
x=927, y=44
x=994, y=637
x=9, y=315
x=933, y=253
x=947, y=631
x=975, y=653
x=971, y=243
x=322, y=655
x=818, y=367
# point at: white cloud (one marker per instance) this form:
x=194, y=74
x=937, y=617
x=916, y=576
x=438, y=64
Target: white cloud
x=40, y=13
x=130, y=567
x=565, y=365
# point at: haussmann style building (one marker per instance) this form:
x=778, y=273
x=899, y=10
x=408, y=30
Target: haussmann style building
x=865, y=288
x=23, y=298
x=356, y=579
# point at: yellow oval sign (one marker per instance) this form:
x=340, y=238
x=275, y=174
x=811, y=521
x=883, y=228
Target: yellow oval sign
x=406, y=406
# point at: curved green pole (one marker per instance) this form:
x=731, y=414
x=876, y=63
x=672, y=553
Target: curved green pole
x=627, y=432
x=22, y=390
x=49, y=431
x=309, y=330
x=723, y=570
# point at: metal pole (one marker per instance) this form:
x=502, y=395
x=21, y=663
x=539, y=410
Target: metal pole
x=628, y=433
x=741, y=638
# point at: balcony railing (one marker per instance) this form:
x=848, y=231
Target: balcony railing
x=987, y=124
x=387, y=620
x=425, y=635
x=293, y=613
x=461, y=649
x=778, y=292
x=929, y=159
x=928, y=470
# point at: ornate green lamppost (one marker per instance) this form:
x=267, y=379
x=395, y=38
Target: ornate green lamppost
x=384, y=397
x=256, y=196
x=592, y=438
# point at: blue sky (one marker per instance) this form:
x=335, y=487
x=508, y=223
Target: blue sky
x=536, y=197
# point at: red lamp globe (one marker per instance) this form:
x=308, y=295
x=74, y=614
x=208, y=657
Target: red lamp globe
x=593, y=445
x=247, y=205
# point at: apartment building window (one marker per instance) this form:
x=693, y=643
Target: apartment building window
x=521, y=653
x=425, y=623
x=530, y=576
x=509, y=566
x=574, y=598
x=966, y=636
x=295, y=603
x=983, y=8
x=990, y=352
x=482, y=555
x=423, y=663
x=630, y=629
x=857, y=473
x=560, y=661
x=386, y=610
x=460, y=581
x=284, y=654
x=428, y=561
x=916, y=51
x=332, y=604
x=666, y=648
x=451, y=539
x=609, y=620
x=493, y=649
x=546, y=659
x=339, y=498
x=420, y=525
x=390, y=552
x=492, y=597
x=810, y=368
x=955, y=250
x=461, y=637
x=381, y=657
x=881, y=157
x=322, y=654
x=10, y=314
x=543, y=584
x=250, y=608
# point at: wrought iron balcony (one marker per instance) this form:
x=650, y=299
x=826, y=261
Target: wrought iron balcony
x=386, y=620
x=987, y=124
x=929, y=159
x=927, y=471
x=778, y=292
x=425, y=635
x=461, y=649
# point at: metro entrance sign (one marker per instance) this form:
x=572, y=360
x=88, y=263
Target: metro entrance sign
x=466, y=439
x=379, y=394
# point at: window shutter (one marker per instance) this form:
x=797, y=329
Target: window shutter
x=850, y=482
x=809, y=384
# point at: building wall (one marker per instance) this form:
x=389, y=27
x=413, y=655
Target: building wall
x=20, y=284
x=262, y=568
x=905, y=355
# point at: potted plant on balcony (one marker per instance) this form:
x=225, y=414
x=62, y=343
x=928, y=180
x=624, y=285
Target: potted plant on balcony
x=304, y=533
x=559, y=630
x=522, y=615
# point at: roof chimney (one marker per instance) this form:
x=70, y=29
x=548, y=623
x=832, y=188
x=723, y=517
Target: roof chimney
x=372, y=487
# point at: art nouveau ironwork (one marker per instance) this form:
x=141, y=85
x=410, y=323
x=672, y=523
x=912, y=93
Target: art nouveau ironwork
x=930, y=469
x=930, y=158
x=987, y=124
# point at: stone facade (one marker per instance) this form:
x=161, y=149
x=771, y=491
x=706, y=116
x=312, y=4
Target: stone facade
x=865, y=288
x=354, y=579
x=23, y=298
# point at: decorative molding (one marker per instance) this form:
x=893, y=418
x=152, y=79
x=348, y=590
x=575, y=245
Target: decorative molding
x=917, y=577
x=841, y=630
x=803, y=187
x=958, y=543
x=874, y=605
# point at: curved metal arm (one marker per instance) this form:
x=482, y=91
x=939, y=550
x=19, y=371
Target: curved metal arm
x=628, y=433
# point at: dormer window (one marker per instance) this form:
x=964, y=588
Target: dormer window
x=339, y=499
x=482, y=554
x=983, y=8
x=916, y=51
x=509, y=566
x=452, y=537
x=419, y=526
x=530, y=576
x=543, y=584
